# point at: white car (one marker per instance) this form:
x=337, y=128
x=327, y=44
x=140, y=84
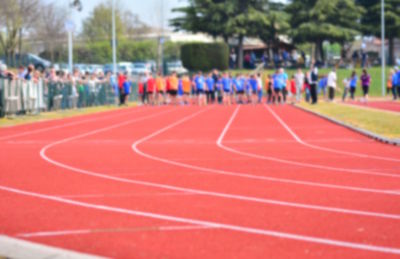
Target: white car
x=177, y=67
x=141, y=68
x=125, y=67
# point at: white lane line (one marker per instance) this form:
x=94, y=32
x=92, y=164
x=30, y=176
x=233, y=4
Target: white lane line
x=299, y=140
x=121, y=195
x=22, y=249
x=109, y=230
x=81, y=121
x=224, y=195
x=236, y=228
x=285, y=161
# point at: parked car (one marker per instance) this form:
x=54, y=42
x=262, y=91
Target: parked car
x=61, y=68
x=27, y=59
x=177, y=67
x=95, y=68
x=108, y=68
x=140, y=68
x=83, y=68
x=125, y=67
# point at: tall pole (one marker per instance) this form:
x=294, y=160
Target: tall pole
x=114, y=40
x=70, y=55
x=383, y=46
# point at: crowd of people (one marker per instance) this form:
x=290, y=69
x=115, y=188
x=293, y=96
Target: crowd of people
x=214, y=87
x=227, y=88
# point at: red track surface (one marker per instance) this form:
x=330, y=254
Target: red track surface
x=381, y=105
x=191, y=182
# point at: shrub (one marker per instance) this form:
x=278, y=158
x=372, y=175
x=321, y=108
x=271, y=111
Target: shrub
x=205, y=56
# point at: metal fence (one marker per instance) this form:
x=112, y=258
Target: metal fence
x=18, y=97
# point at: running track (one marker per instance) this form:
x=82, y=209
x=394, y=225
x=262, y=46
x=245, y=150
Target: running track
x=392, y=106
x=201, y=182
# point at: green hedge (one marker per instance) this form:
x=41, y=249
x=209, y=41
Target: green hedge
x=205, y=56
x=101, y=52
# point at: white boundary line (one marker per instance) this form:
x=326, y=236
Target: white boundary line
x=299, y=140
x=216, y=194
x=133, y=110
x=21, y=249
x=285, y=161
x=241, y=229
x=109, y=230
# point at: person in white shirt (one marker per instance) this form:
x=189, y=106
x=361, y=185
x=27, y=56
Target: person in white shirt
x=299, y=81
x=332, y=78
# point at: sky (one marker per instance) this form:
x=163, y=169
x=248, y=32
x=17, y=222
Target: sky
x=146, y=9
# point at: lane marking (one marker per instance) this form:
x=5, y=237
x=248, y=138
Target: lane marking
x=285, y=161
x=299, y=140
x=218, y=194
x=81, y=121
x=121, y=195
x=235, y=228
x=22, y=249
x=109, y=230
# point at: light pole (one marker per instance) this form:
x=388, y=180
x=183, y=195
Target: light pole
x=114, y=41
x=383, y=46
x=70, y=28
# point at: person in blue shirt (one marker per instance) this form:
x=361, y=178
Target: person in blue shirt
x=199, y=83
x=253, y=84
x=394, y=83
x=278, y=85
x=323, y=83
x=210, y=88
x=180, y=90
x=238, y=84
x=227, y=89
x=353, y=84
x=397, y=83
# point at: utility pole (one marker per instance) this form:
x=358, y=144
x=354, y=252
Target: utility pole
x=114, y=40
x=70, y=27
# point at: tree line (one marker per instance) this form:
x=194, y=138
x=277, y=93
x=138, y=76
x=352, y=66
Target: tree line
x=304, y=21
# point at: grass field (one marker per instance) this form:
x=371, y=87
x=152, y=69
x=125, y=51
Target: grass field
x=375, y=72
x=380, y=122
x=11, y=121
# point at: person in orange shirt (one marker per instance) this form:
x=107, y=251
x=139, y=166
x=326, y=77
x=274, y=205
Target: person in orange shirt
x=187, y=87
x=173, y=84
x=389, y=84
x=160, y=88
x=268, y=88
x=151, y=88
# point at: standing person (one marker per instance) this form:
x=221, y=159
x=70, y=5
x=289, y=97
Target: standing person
x=278, y=86
x=259, y=88
x=210, y=88
x=365, y=83
x=293, y=89
x=346, y=88
x=121, y=81
x=398, y=83
x=227, y=89
x=307, y=88
x=394, y=83
x=299, y=81
x=238, y=84
x=113, y=82
x=322, y=85
x=268, y=88
x=332, y=78
x=215, y=94
x=313, y=84
x=174, y=84
x=186, y=85
x=151, y=89
x=389, y=84
x=199, y=83
x=232, y=59
x=353, y=84
x=286, y=84
x=160, y=86
x=127, y=90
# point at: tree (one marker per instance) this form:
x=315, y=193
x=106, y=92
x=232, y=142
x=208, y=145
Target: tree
x=224, y=18
x=317, y=21
x=49, y=27
x=278, y=25
x=15, y=15
x=98, y=26
x=372, y=19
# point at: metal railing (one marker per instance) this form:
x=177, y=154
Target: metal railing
x=32, y=97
